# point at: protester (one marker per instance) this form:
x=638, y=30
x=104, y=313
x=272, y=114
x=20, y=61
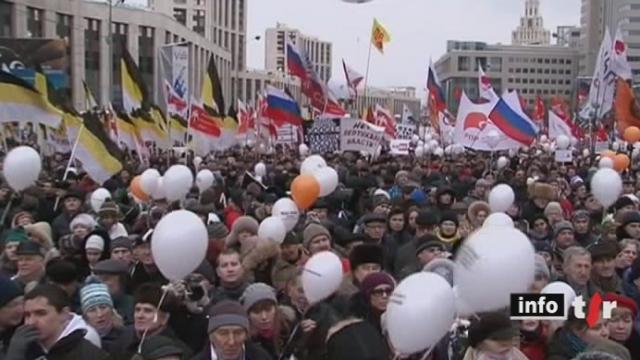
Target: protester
x=11, y=311
x=622, y=322
x=491, y=336
x=98, y=311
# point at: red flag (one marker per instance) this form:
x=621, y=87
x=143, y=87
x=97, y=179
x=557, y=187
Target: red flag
x=384, y=119
x=538, y=110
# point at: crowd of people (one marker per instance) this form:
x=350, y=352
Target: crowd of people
x=82, y=284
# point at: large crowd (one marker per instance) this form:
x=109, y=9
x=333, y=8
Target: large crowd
x=77, y=283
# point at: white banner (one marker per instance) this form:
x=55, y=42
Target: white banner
x=287, y=134
x=358, y=135
x=399, y=146
x=405, y=131
x=563, y=156
x=175, y=73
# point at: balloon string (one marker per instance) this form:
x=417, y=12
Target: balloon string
x=427, y=353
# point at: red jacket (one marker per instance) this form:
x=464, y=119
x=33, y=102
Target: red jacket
x=230, y=216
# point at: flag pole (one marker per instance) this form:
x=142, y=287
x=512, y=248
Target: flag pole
x=71, y=158
x=366, y=74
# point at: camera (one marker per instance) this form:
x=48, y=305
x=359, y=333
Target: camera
x=195, y=291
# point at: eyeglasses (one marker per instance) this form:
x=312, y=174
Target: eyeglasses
x=382, y=292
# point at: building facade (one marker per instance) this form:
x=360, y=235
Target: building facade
x=568, y=36
x=393, y=99
x=595, y=17
x=533, y=71
x=318, y=51
x=85, y=27
x=531, y=30
x=197, y=15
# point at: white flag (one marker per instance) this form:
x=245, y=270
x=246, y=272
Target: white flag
x=484, y=86
x=354, y=78
x=619, y=64
x=603, y=85
x=407, y=115
x=558, y=127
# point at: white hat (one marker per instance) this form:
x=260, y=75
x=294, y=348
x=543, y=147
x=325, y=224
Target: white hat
x=94, y=242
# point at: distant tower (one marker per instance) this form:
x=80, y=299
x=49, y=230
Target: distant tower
x=531, y=30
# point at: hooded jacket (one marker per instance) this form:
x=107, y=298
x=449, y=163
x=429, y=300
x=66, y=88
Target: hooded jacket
x=75, y=343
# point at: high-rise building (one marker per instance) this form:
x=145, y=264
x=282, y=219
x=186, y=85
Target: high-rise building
x=85, y=26
x=567, y=36
x=194, y=14
x=531, y=30
x=533, y=71
x=595, y=17
x=318, y=51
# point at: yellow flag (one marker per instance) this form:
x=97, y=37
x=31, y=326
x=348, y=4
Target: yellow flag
x=379, y=36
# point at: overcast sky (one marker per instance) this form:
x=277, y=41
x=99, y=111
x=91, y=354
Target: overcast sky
x=419, y=30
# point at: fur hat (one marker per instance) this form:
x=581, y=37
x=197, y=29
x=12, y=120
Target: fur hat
x=150, y=293
x=475, y=208
x=40, y=232
x=449, y=216
x=85, y=220
x=160, y=347
x=366, y=254
x=312, y=231
x=542, y=191
x=242, y=224
x=490, y=326
x=622, y=202
x=630, y=217
x=603, y=250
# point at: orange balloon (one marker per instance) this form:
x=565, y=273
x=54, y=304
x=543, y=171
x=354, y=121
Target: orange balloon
x=136, y=190
x=632, y=134
x=305, y=190
x=621, y=162
x=610, y=154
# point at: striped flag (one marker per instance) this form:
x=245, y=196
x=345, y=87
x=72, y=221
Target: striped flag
x=21, y=102
x=134, y=92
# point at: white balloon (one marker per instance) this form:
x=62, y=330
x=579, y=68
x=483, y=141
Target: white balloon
x=421, y=311
x=303, y=149
x=250, y=142
x=311, y=164
x=428, y=138
x=458, y=149
x=493, y=263
x=204, y=180
x=321, y=276
x=574, y=141
x=615, y=146
x=560, y=287
x=498, y=219
x=502, y=162
x=177, y=182
x=420, y=143
x=546, y=147
x=327, y=177
x=427, y=149
x=563, y=142
x=606, y=186
x=434, y=144
x=419, y=151
x=149, y=181
x=501, y=198
x=287, y=211
x=197, y=161
x=21, y=167
x=159, y=192
x=448, y=150
x=586, y=153
x=272, y=228
x=415, y=138
x=605, y=163
x=260, y=169
x=179, y=243
x=543, y=138
x=438, y=152
x=513, y=152
x=98, y=197
x=492, y=138
x=635, y=153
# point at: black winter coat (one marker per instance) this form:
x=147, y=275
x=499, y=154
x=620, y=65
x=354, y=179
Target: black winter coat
x=252, y=352
x=72, y=347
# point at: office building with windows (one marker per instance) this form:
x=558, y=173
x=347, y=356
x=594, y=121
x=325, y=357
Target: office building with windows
x=318, y=51
x=84, y=25
x=533, y=71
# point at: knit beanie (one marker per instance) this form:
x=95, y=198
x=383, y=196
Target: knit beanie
x=227, y=313
x=85, y=220
x=561, y=226
x=630, y=218
x=449, y=216
x=94, y=294
x=541, y=267
x=94, y=242
x=603, y=250
x=622, y=302
x=9, y=290
x=622, y=202
x=17, y=235
x=217, y=230
x=160, y=347
x=122, y=242
x=312, y=231
x=581, y=215
x=373, y=280
x=109, y=208
x=552, y=207
x=490, y=326
x=257, y=292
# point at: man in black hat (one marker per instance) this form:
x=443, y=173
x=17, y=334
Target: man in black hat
x=114, y=274
x=71, y=206
x=291, y=258
x=145, y=270
x=30, y=263
x=492, y=336
x=121, y=248
x=364, y=259
x=428, y=248
x=603, y=274
x=426, y=223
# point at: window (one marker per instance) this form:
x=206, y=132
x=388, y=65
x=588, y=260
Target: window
x=180, y=15
x=120, y=32
x=539, y=71
x=553, y=81
x=524, y=91
x=6, y=20
x=518, y=70
x=525, y=71
x=201, y=2
x=525, y=81
x=554, y=61
x=546, y=81
x=546, y=71
x=539, y=60
x=198, y=20
x=567, y=82
x=233, y=13
x=35, y=22
x=464, y=63
x=561, y=61
x=180, y=2
x=92, y=56
x=517, y=80
x=146, y=54
x=568, y=62
x=554, y=71
x=539, y=81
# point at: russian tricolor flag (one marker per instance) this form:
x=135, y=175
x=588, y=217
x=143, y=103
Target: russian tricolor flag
x=282, y=108
x=295, y=62
x=435, y=90
x=513, y=124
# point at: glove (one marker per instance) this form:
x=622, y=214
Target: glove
x=20, y=341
